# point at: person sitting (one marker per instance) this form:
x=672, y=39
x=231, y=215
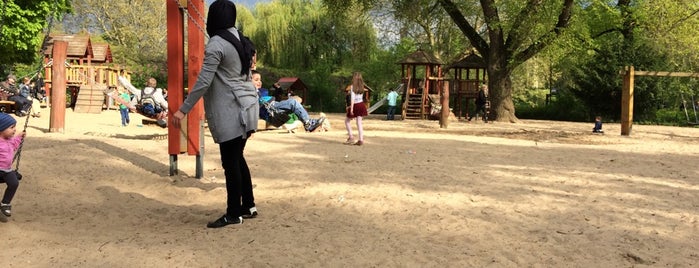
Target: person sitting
x=19, y=96
x=282, y=109
x=150, y=101
x=598, y=125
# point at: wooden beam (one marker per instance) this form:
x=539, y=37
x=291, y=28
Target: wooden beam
x=666, y=74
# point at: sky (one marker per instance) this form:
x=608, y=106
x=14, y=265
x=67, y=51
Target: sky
x=249, y=3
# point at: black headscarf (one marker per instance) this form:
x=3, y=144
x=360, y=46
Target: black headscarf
x=222, y=15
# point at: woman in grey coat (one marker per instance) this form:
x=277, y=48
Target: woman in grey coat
x=230, y=104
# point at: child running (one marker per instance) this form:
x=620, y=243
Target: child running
x=9, y=142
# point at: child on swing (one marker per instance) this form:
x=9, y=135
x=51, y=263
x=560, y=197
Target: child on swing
x=9, y=142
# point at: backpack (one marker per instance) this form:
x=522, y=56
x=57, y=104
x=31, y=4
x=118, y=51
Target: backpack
x=149, y=107
x=147, y=97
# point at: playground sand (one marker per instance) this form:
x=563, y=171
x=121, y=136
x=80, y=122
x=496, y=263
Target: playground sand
x=531, y=194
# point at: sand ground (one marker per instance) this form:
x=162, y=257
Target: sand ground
x=531, y=194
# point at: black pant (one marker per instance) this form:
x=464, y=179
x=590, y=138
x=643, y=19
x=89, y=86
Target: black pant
x=238, y=180
x=21, y=103
x=479, y=108
x=12, y=184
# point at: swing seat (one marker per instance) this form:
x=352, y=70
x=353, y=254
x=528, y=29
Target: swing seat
x=275, y=117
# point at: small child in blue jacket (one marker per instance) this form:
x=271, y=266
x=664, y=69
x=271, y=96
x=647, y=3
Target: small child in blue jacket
x=598, y=125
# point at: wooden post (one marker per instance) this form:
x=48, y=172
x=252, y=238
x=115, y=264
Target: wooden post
x=195, y=59
x=627, y=101
x=444, y=119
x=175, y=83
x=58, y=84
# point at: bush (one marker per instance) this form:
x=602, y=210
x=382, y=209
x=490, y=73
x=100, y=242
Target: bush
x=562, y=107
x=673, y=117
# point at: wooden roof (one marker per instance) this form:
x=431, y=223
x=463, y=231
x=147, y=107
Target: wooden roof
x=79, y=46
x=102, y=52
x=471, y=61
x=293, y=83
x=421, y=58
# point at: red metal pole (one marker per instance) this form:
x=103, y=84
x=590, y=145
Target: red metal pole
x=195, y=59
x=58, y=83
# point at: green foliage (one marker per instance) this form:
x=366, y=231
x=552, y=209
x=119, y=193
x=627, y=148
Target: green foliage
x=136, y=32
x=302, y=39
x=563, y=107
x=670, y=117
x=323, y=42
x=22, y=29
x=141, y=73
x=298, y=34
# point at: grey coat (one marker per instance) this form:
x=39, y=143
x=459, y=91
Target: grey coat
x=230, y=99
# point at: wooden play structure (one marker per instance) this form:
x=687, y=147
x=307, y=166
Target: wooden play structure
x=469, y=74
x=89, y=70
x=421, y=74
x=629, y=74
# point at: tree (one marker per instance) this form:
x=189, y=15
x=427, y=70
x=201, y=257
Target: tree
x=653, y=36
x=23, y=25
x=510, y=43
x=515, y=31
x=301, y=38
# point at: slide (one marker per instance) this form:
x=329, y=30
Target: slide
x=382, y=101
x=377, y=105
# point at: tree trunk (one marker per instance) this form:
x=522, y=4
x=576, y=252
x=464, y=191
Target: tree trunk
x=502, y=109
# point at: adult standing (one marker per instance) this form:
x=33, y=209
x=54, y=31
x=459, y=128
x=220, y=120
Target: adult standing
x=230, y=104
x=481, y=100
x=39, y=92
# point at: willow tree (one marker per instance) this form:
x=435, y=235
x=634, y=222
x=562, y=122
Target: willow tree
x=300, y=34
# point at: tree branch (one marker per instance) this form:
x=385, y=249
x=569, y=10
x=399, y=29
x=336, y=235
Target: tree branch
x=519, y=27
x=682, y=20
x=547, y=39
x=476, y=40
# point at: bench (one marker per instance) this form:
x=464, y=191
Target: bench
x=7, y=106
